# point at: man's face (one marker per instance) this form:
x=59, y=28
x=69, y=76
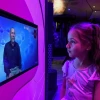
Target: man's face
x=12, y=35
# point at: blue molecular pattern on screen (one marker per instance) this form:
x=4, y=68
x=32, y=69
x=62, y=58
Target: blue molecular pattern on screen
x=26, y=37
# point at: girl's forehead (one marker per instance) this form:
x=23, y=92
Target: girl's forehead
x=73, y=33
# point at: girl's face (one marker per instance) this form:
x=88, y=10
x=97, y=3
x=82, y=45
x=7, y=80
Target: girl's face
x=74, y=47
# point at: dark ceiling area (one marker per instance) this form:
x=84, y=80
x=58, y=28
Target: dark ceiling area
x=80, y=9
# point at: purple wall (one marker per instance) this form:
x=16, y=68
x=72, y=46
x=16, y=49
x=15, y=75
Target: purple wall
x=30, y=85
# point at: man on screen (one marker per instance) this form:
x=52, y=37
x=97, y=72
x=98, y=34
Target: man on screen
x=12, y=57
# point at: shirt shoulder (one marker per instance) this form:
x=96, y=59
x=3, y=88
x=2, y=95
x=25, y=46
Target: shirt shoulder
x=7, y=44
x=94, y=76
x=67, y=68
x=16, y=44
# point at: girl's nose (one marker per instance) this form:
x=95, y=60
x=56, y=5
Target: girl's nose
x=67, y=45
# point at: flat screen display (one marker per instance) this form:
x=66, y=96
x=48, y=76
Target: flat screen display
x=18, y=46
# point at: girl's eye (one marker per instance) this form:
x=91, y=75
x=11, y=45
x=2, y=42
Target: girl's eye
x=71, y=42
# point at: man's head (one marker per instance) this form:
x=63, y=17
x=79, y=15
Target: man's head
x=12, y=34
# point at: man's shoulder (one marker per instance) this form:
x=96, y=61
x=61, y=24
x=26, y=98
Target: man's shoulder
x=7, y=43
x=16, y=43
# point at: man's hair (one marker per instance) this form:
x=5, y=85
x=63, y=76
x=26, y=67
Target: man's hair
x=11, y=29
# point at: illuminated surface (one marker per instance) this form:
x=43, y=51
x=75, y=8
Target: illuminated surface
x=59, y=6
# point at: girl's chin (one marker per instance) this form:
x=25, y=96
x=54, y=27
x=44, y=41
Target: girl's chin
x=71, y=56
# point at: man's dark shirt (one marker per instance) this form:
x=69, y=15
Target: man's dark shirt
x=11, y=57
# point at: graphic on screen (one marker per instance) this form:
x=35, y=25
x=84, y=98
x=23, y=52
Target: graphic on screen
x=18, y=48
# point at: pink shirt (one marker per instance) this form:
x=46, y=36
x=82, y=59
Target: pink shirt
x=79, y=82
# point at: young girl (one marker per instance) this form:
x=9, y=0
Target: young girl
x=81, y=75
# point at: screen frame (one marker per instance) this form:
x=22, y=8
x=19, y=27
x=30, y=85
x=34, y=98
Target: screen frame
x=11, y=16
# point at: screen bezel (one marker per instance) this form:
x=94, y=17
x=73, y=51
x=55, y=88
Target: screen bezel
x=23, y=21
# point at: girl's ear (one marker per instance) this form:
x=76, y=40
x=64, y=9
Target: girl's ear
x=88, y=46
